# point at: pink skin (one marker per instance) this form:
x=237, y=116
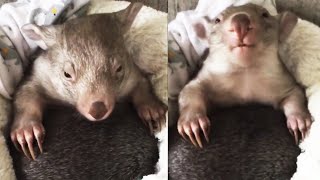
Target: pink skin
x=27, y=125
x=86, y=113
x=191, y=129
x=23, y=137
x=298, y=117
x=85, y=108
x=242, y=35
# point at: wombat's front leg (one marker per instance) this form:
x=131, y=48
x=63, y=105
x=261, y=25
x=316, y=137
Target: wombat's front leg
x=149, y=107
x=193, y=114
x=298, y=116
x=27, y=123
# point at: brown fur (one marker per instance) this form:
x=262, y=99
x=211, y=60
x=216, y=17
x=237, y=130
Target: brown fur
x=86, y=63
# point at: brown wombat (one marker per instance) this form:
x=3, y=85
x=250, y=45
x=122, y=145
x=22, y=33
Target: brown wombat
x=85, y=65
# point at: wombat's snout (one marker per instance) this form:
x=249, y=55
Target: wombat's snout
x=98, y=110
x=240, y=24
x=96, y=107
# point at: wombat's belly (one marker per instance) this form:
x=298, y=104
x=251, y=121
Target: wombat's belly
x=250, y=89
x=74, y=148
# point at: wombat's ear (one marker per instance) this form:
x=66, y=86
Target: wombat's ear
x=43, y=36
x=288, y=21
x=128, y=15
x=200, y=30
x=199, y=36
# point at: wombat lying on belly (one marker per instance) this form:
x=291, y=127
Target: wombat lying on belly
x=85, y=65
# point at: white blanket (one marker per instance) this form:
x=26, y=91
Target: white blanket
x=15, y=47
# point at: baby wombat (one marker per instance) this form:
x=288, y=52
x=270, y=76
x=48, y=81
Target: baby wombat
x=85, y=65
x=242, y=67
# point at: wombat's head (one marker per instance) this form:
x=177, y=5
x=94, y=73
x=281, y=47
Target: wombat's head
x=89, y=65
x=247, y=31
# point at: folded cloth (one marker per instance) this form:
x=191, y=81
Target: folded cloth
x=15, y=47
x=187, y=49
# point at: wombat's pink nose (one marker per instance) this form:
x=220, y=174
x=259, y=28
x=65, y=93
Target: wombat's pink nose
x=240, y=24
x=98, y=109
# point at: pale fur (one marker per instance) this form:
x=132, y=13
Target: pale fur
x=224, y=83
x=232, y=76
x=147, y=42
x=301, y=55
x=266, y=82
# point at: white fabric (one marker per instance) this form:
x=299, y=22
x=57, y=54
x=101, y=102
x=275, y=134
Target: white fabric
x=41, y=12
x=12, y=17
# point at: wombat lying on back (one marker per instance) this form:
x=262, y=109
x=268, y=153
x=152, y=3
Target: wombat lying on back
x=87, y=66
x=243, y=67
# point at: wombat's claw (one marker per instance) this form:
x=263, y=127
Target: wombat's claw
x=23, y=139
x=149, y=125
x=296, y=124
x=192, y=128
x=150, y=113
x=161, y=123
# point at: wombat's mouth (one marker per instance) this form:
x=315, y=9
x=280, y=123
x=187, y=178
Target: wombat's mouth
x=245, y=45
x=242, y=47
x=243, y=50
x=248, y=29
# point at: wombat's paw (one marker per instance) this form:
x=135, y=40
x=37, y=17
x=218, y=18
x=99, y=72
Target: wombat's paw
x=23, y=135
x=191, y=125
x=299, y=122
x=153, y=114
